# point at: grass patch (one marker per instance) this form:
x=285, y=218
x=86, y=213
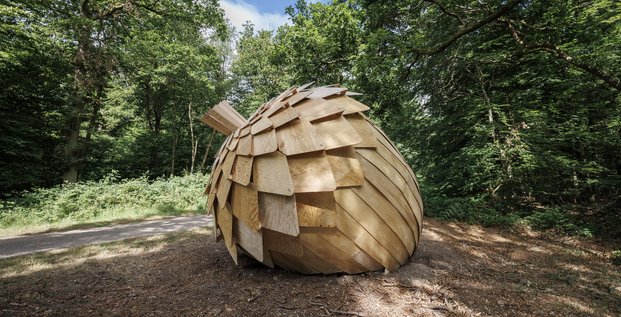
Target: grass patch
x=100, y=203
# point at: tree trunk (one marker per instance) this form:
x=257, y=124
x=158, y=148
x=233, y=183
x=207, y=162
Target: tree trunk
x=213, y=133
x=194, y=143
x=78, y=99
x=174, y=150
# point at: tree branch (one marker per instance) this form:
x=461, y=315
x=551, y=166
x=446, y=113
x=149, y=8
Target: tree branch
x=610, y=80
x=466, y=29
x=447, y=12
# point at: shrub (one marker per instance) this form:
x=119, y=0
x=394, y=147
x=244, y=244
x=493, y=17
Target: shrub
x=107, y=199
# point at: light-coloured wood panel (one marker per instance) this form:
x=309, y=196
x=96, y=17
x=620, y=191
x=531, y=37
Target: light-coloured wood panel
x=297, y=97
x=225, y=223
x=264, y=142
x=316, y=209
x=233, y=144
x=291, y=263
x=403, y=168
x=215, y=124
x=389, y=190
x=311, y=172
x=366, y=217
x=274, y=108
x=323, y=92
x=278, y=213
x=364, y=129
x=245, y=130
x=317, y=263
x=250, y=240
x=365, y=241
x=387, y=169
x=261, y=125
x=228, y=112
x=223, y=119
x=225, y=184
x=242, y=169
x=271, y=174
x=283, y=243
x=335, y=257
x=244, y=145
x=298, y=136
x=367, y=261
x=389, y=213
x=351, y=105
x=316, y=109
x=245, y=205
x=284, y=116
x=345, y=166
x=336, y=133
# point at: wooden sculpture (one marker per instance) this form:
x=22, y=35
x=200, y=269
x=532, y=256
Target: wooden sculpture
x=309, y=184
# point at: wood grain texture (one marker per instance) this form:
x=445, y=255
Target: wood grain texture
x=224, y=184
x=351, y=105
x=278, y=213
x=345, y=166
x=336, y=133
x=245, y=205
x=274, y=108
x=384, y=166
x=264, y=142
x=298, y=136
x=332, y=255
x=316, y=109
x=316, y=209
x=233, y=144
x=244, y=145
x=311, y=172
x=242, y=169
x=389, y=213
x=250, y=240
x=297, y=97
x=224, y=217
x=245, y=130
x=283, y=243
x=261, y=125
x=311, y=185
x=271, y=174
x=365, y=241
x=390, y=191
x=367, y=218
x=215, y=124
x=364, y=129
x=284, y=116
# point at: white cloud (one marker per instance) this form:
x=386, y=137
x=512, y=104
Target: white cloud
x=239, y=11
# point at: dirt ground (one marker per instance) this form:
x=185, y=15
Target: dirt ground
x=458, y=270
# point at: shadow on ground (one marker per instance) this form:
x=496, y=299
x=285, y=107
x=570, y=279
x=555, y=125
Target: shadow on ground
x=458, y=270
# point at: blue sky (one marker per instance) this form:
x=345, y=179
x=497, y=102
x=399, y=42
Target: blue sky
x=263, y=14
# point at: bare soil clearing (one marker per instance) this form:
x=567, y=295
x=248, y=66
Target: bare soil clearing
x=458, y=270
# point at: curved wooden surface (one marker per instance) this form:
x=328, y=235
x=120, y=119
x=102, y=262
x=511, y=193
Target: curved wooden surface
x=309, y=184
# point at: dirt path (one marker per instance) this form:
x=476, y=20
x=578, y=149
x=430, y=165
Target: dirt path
x=459, y=270
x=26, y=244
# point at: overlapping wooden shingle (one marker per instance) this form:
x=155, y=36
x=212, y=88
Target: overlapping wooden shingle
x=309, y=184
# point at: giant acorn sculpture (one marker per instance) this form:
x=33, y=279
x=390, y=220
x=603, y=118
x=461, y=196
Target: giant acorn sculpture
x=309, y=184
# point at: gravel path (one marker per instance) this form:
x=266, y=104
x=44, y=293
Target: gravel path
x=25, y=244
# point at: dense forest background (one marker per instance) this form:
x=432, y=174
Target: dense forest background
x=506, y=110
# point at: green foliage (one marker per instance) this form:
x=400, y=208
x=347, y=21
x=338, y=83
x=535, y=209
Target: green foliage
x=111, y=198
